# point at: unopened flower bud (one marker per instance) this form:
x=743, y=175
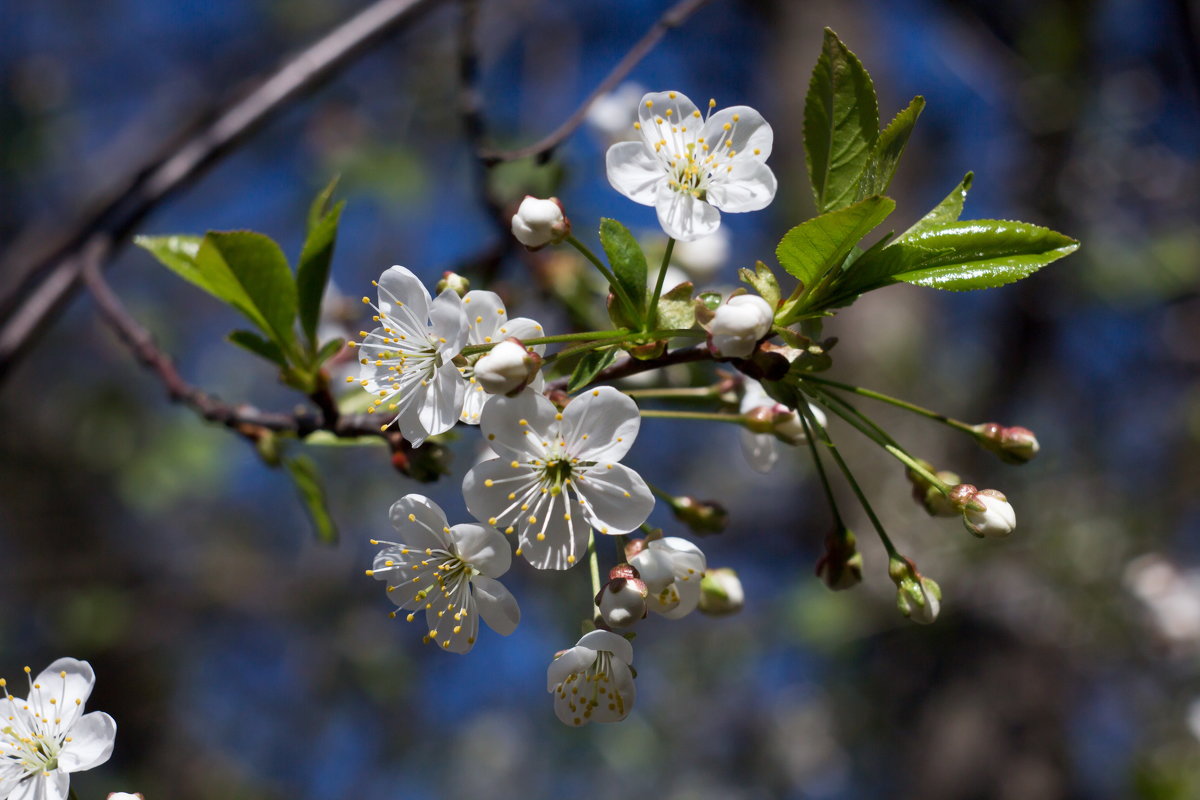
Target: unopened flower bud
x=125, y=796
x=1016, y=445
x=452, y=280
x=760, y=419
x=738, y=324
x=507, y=368
x=701, y=516
x=997, y=517
x=622, y=601
x=918, y=598
x=841, y=566
x=721, y=592
x=538, y=223
x=932, y=499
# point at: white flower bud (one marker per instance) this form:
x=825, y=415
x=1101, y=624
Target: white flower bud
x=125, y=796
x=997, y=517
x=788, y=427
x=622, y=601
x=506, y=368
x=738, y=324
x=721, y=592
x=918, y=598
x=538, y=223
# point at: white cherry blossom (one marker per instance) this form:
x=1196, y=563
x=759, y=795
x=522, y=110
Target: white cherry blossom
x=487, y=322
x=672, y=569
x=46, y=736
x=407, y=362
x=557, y=475
x=738, y=324
x=762, y=449
x=592, y=682
x=538, y=223
x=688, y=166
x=449, y=572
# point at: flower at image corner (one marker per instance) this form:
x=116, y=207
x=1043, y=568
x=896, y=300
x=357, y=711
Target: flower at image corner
x=591, y=681
x=407, y=363
x=46, y=736
x=448, y=572
x=690, y=168
x=557, y=475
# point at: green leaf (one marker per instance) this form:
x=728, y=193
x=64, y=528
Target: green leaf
x=841, y=124
x=627, y=261
x=263, y=348
x=979, y=254
x=319, y=208
x=675, y=308
x=589, y=367
x=329, y=350
x=949, y=210
x=881, y=167
x=250, y=272
x=763, y=281
x=813, y=248
x=308, y=484
x=312, y=273
x=177, y=253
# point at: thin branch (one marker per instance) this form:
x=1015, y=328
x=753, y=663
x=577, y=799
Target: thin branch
x=672, y=18
x=632, y=366
x=50, y=282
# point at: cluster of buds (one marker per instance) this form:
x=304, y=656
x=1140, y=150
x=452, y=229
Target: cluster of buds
x=721, y=592
x=507, y=368
x=538, y=223
x=918, y=598
x=1016, y=445
x=986, y=512
x=841, y=566
x=932, y=498
x=737, y=325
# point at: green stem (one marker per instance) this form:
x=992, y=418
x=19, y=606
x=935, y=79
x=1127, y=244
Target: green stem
x=898, y=403
x=612, y=337
x=858, y=492
x=811, y=435
x=576, y=350
x=668, y=393
x=665, y=496
x=594, y=567
x=621, y=541
x=618, y=290
x=651, y=314
x=736, y=419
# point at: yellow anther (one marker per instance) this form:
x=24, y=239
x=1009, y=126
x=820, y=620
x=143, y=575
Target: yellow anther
x=570, y=559
x=637, y=126
x=695, y=113
x=492, y=520
x=369, y=572
x=367, y=300
x=726, y=126
x=649, y=104
x=515, y=464
x=489, y=483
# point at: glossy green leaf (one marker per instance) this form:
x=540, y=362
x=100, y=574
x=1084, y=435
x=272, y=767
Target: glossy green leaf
x=312, y=493
x=177, y=253
x=627, y=260
x=250, y=272
x=312, y=273
x=763, y=281
x=263, y=348
x=675, y=308
x=590, y=366
x=813, y=248
x=949, y=210
x=881, y=167
x=841, y=124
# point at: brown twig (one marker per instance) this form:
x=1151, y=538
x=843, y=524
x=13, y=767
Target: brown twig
x=632, y=366
x=672, y=18
x=51, y=281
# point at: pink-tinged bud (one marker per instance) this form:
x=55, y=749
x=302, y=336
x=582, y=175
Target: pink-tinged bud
x=538, y=223
x=841, y=565
x=507, y=368
x=622, y=601
x=452, y=280
x=738, y=324
x=721, y=592
x=760, y=420
x=931, y=498
x=1015, y=445
x=997, y=517
x=701, y=516
x=963, y=496
x=918, y=598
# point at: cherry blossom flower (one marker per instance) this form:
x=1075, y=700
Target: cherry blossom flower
x=762, y=449
x=592, y=682
x=738, y=324
x=407, y=362
x=47, y=736
x=688, y=167
x=450, y=572
x=487, y=322
x=672, y=569
x=545, y=456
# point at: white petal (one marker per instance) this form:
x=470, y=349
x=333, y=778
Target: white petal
x=759, y=449
x=443, y=402
x=54, y=786
x=616, y=703
x=486, y=490
x=686, y=558
x=485, y=314
x=502, y=428
x=618, y=500
x=496, y=605
x=92, y=739
x=656, y=124
x=448, y=323
x=619, y=646
x=402, y=295
x=600, y=424
x=655, y=569
x=749, y=186
x=442, y=628
x=682, y=216
x=634, y=171
x=576, y=659
x=689, y=598
x=410, y=426
x=76, y=685
x=554, y=542
x=485, y=549
x=524, y=328
x=749, y=133
x=420, y=522
x=754, y=396
x=474, y=399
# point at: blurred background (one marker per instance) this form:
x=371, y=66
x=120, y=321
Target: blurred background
x=243, y=659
